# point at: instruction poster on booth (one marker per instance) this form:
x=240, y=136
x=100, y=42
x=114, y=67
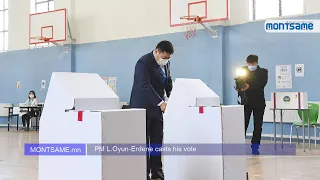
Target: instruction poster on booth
x=112, y=82
x=105, y=79
x=283, y=77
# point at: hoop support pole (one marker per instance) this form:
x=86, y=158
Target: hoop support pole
x=69, y=32
x=214, y=33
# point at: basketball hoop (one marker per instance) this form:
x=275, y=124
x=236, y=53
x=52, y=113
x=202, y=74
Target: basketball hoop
x=47, y=40
x=41, y=38
x=190, y=26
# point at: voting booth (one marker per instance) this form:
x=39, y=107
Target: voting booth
x=194, y=116
x=289, y=100
x=82, y=108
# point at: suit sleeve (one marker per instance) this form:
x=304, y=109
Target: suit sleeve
x=261, y=82
x=169, y=86
x=142, y=77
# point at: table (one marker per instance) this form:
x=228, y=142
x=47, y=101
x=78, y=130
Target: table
x=281, y=125
x=10, y=115
x=28, y=108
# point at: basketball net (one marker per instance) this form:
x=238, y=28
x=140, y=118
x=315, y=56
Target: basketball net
x=47, y=40
x=190, y=27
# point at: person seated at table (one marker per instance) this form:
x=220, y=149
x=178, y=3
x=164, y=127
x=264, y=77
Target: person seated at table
x=31, y=101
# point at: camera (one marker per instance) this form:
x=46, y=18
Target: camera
x=240, y=80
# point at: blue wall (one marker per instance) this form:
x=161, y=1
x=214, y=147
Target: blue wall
x=29, y=67
x=212, y=60
x=195, y=58
x=272, y=49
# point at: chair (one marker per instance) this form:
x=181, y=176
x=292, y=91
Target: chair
x=36, y=117
x=314, y=113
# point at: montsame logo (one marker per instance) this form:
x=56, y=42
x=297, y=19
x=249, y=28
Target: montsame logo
x=292, y=26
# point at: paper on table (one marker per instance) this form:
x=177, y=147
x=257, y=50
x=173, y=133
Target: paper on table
x=16, y=110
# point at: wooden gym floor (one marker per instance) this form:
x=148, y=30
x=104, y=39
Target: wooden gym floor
x=15, y=166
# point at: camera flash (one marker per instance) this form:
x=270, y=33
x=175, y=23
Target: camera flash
x=241, y=72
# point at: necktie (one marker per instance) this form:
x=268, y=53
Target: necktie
x=164, y=77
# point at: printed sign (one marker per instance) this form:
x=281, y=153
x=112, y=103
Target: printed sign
x=299, y=70
x=18, y=85
x=43, y=84
x=283, y=77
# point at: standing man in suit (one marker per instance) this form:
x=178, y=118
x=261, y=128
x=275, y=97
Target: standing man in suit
x=252, y=97
x=152, y=80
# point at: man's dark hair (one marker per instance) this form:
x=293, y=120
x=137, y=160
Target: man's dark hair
x=252, y=58
x=165, y=46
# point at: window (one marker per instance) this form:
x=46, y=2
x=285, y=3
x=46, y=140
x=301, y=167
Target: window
x=264, y=9
x=4, y=19
x=292, y=7
x=39, y=6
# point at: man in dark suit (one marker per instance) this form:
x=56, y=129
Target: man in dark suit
x=152, y=80
x=252, y=97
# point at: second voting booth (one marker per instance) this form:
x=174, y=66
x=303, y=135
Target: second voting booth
x=289, y=100
x=82, y=108
x=194, y=116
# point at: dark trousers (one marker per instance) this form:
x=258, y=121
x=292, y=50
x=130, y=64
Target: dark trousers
x=154, y=137
x=26, y=118
x=258, y=113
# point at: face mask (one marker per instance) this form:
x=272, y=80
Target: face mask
x=252, y=68
x=31, y=96
x=163, y=62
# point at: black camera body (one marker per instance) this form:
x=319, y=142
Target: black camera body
x=240, y=82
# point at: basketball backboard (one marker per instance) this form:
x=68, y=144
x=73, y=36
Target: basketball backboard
x=51, y=25
x=207, y=10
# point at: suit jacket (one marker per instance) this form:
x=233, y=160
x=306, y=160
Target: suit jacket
x=256, y=80
x=148, y=87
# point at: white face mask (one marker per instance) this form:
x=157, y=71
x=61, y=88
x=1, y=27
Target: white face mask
x=31, y=96
x=163, y=62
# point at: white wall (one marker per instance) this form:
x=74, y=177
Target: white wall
x=312, y=6
x=103, y=20
x=111, y=20
x=239, y=12
x=18, y=29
